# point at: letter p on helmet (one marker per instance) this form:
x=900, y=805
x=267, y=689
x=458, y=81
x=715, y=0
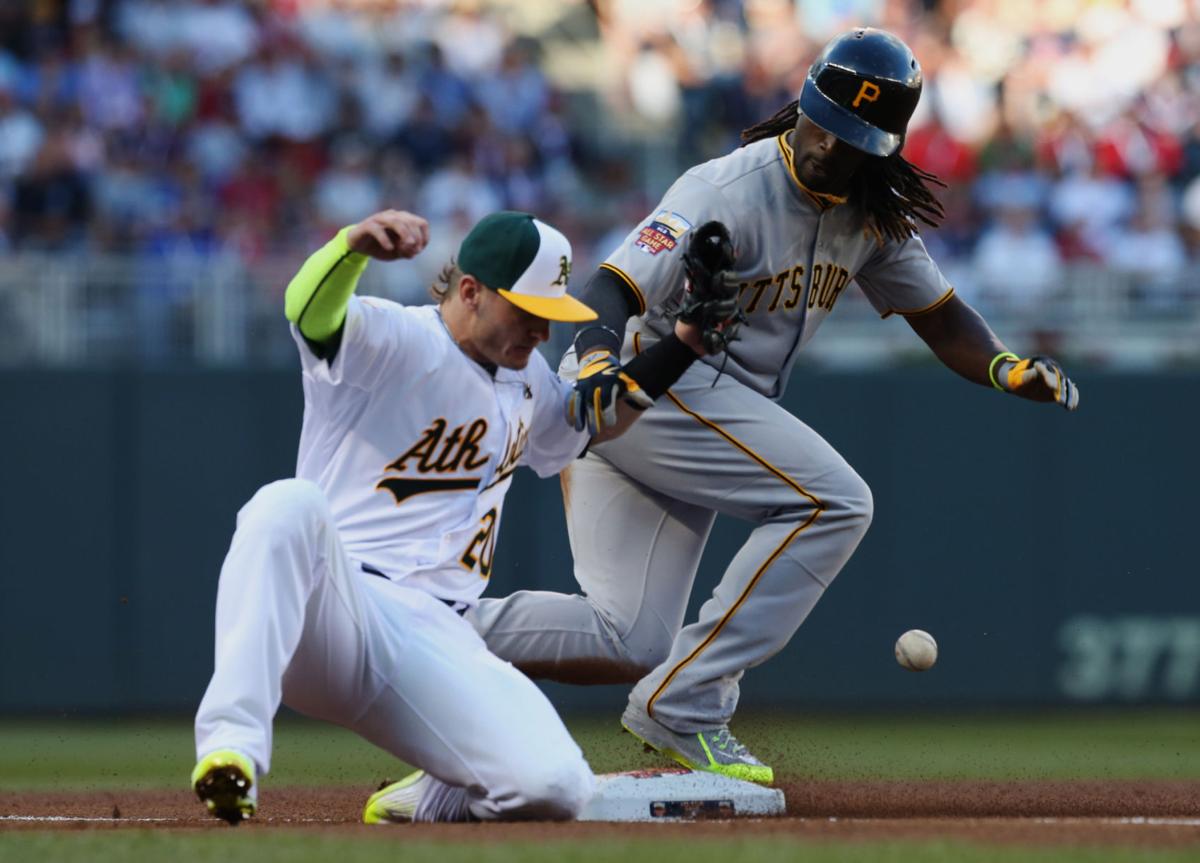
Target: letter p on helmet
x=867, y=92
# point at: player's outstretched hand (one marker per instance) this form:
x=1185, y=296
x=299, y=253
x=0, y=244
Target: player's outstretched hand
x=1040, y=379
x=601, y=384
x=389, y=235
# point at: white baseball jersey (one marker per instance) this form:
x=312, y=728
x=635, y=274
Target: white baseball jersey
x=794, y=258
x=414, y=444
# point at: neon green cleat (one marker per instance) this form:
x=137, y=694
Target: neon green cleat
x=716, y=751
x=396, y=803
x=224, y=780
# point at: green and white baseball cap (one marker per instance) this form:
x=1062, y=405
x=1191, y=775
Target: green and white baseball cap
x=525, y=261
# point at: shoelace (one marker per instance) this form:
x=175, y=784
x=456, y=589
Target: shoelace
x=726, y=742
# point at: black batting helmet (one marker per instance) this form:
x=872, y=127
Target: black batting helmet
x=863, y=88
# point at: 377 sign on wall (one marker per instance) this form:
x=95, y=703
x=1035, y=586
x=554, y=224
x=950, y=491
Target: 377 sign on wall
x=1130, y=658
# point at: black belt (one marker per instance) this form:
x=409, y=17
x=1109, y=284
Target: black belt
x=453, y=604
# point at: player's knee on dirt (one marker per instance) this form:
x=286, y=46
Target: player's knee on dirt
x=555, y=792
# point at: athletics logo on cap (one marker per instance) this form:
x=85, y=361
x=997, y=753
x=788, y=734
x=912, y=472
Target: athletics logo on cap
x=564, y=271
x=525, y=261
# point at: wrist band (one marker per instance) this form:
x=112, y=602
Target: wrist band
x=657, y=368
x=615, y=347
x=587, y=329
x=1003, y=355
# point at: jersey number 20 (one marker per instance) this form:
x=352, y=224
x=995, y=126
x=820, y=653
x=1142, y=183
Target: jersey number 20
x=483, y=546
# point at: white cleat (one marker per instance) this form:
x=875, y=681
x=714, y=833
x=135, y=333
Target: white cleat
x=397, y=803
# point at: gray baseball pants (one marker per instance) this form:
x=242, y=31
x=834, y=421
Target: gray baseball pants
x=639, y=511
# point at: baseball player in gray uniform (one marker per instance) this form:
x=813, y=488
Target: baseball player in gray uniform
x=817, y=197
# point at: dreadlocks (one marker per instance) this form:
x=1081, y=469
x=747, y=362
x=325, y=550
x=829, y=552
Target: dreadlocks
x=892, y=215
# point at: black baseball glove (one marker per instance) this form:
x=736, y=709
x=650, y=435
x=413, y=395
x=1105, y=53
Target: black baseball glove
x=710, y=297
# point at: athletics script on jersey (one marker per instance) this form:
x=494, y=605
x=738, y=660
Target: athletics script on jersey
x=443, y=450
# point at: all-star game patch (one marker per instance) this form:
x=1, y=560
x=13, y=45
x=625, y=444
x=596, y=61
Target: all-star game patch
x=663, y=233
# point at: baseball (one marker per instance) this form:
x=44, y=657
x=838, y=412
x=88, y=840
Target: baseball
x=916, y=650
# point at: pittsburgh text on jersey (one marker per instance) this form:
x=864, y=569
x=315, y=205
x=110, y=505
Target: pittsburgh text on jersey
x=784, y=289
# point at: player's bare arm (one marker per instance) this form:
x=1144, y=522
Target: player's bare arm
x=960, y=337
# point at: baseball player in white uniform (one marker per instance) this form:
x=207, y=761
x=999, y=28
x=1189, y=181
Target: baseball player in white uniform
x=343, y=590
x=817, y=198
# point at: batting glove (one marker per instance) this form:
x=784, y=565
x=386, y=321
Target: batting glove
x=1039, y=379
x=601, y=384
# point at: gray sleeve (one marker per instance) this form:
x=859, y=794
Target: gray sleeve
x=901, y=279
x=649, y=260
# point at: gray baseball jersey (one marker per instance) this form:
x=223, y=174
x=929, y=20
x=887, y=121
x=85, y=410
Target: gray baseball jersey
x=639, y=508
x=795, y=257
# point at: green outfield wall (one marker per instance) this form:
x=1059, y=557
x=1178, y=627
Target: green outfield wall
x=1053, y=556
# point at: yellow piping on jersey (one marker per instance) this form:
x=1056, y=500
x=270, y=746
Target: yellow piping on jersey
x=783, y=477
x=564, y=480
x=818, y=508
x=733, y=609
x=822, y=200
x=629, y=283
x=911, y=313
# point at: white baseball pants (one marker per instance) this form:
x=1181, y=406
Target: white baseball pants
x=298, y=621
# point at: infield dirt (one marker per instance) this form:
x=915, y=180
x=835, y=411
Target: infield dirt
x=1092, y=813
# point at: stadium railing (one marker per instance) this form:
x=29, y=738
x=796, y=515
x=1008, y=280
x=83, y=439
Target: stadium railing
x=64, y=311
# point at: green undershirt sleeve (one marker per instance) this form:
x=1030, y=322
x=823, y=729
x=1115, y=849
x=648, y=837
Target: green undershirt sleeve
x=318, y=295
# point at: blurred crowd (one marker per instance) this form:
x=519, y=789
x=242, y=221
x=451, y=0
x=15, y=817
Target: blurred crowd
x=1067, y=131
x=161, y=127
